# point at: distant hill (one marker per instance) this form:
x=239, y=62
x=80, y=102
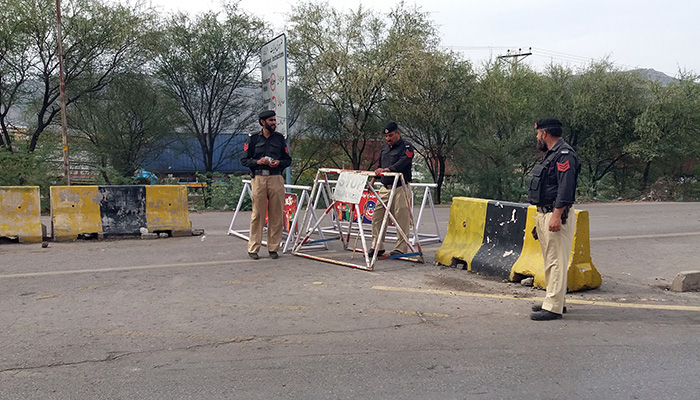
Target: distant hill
x=655, y=76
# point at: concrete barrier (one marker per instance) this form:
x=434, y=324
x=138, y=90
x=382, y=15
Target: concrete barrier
x=494, y=238
x=686, y=281
x=20, y=213
x=118, y=210
x=166, y=210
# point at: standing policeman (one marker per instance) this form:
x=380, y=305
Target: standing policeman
x=396, y=156
x=553, y=190
x=267, y=155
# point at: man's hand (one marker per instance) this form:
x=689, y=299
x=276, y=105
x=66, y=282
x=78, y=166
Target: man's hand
x=263, y=161
x=555, y=221
x=380, y=171
x=274, y=163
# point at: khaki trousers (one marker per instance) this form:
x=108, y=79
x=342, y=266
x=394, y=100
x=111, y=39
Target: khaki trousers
x=556, y=250
x=268, y=195
x=399, y=208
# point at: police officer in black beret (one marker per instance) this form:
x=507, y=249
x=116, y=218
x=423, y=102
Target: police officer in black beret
x=553, y=190
x=267, y=155
x=396, y=156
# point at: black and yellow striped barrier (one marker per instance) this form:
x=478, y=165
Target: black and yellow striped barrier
x=20, y=213
x=118, y=210
x=494, y=238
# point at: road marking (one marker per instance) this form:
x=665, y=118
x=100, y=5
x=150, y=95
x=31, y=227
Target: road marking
x=660, y=235
x=122, y=269
x=568, y=301
x=413, y=313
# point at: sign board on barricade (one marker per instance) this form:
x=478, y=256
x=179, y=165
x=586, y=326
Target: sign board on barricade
x=349, y=187
x=290, y=204
x=290, y=211
x=368, y=203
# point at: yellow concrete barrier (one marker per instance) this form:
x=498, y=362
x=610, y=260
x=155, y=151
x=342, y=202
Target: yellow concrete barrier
x=166, y=209
x=75, y=210
x=494, y=238
x=20, y=213
x=465, y=231
x=582, y=274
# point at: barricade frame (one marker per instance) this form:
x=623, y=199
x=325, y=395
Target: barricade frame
x=288, y=237
x=391, y=233
x=322, y=183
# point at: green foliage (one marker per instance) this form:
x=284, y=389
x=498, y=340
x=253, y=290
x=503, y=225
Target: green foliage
x=222, y=192
x=208, y=63
x=225, y=194
x=431, y=97
x=30, y=169
x=124, y=125
x=99, y=41
x=499, y=153
x=345, y=61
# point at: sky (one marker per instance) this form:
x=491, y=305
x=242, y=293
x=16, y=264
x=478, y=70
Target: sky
x=662, y=35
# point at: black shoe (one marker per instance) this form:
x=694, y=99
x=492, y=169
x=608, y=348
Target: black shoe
x=544, y=315
x=370, y=253
x=254, y=256
x=396, y=252
x=538, y=307
x=274, y=255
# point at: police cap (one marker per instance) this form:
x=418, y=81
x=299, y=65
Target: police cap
x=548, y=123
x=390, y=127
x=266, y=114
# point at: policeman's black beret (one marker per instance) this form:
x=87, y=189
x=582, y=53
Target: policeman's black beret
x=548, y=123
x=390, y=127
x=266, y=114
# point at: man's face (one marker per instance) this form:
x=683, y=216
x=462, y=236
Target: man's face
x=541, y=145
x=270, y=124
x=392, y=137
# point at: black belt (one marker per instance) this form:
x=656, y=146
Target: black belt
x=266, y=172
x=548, y=208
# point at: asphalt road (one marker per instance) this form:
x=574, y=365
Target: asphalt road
x=194, y=318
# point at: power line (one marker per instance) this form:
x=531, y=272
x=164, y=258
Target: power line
x=515, y=57
x=542, y=53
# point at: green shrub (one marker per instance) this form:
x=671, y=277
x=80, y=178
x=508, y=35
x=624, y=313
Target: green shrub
x=31, y=169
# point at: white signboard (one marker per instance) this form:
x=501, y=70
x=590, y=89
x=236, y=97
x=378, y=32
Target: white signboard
x=349, y=187
x=274, y=79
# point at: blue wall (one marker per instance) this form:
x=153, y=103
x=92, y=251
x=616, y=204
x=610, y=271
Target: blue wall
x=185, y=157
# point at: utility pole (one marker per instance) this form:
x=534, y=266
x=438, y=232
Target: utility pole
x=62, y=91
x=515, y=57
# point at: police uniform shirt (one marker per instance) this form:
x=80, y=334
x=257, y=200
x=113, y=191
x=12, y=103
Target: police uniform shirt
x=258, y=146
x=561, y=174
x=397, y=158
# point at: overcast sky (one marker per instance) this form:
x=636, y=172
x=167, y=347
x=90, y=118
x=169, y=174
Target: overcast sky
x=663, y=35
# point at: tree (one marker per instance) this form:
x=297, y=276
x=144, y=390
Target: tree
x=500, y=150
x=605, y=104
x=14, y=67
x=125, y=124
x=310, y=143
x=669, y=128
x=99, y=41
x=431, y=98
x=209, y=64
x=345, y=61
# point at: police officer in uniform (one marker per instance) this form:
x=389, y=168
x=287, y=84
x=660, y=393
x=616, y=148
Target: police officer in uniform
x=553, y=190
x=396, y=156
x=267, y=155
